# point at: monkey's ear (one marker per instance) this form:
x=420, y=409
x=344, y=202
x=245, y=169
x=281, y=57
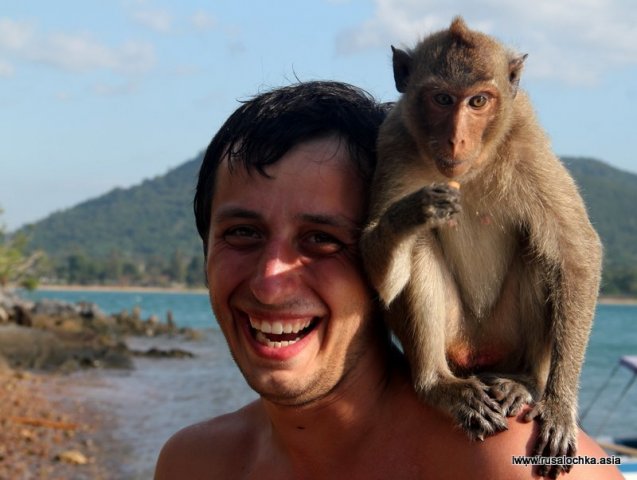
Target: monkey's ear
x=402, y=68
x=515, y=71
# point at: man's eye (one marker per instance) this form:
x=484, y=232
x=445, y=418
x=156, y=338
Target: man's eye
x=320, y=243
x=242, y=236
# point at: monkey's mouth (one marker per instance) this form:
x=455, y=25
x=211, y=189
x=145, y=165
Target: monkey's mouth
x=277, y=334
x=451, y=168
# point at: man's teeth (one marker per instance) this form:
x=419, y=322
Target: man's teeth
x=263, y=327
x=278, y=328
x=261, y=338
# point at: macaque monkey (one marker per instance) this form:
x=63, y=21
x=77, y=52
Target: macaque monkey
x=490, y=287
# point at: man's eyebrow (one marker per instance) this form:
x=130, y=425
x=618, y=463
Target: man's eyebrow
x=329, y=220
x=338, y=221
x=226, y=213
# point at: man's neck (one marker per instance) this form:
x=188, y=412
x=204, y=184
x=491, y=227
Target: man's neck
x=332, y=429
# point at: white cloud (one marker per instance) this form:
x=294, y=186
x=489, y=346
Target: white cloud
x=158, y=20
x=73, y=52
x=203, y=21
x=14, y=35
x=575, y=41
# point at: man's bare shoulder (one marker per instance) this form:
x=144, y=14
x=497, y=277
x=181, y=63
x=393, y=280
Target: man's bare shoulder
x=495, y=456
x=210, y=449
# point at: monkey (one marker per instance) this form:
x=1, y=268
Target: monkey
x=490, y=287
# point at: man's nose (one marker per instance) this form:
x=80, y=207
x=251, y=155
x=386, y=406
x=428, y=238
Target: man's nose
x=276, y=276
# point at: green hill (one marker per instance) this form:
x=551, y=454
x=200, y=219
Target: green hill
x=152, y=218
x=146, y=233
x=611, y=200
x=143, y=234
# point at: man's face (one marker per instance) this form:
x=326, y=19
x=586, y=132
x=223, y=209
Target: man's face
x=284, y=274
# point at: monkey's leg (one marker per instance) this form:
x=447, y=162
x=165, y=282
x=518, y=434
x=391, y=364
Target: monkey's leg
x=572, y=293
x=556, y=411
x=430, y=313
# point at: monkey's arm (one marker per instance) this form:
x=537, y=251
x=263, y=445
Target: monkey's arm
x=387, y=241
x=568, y=248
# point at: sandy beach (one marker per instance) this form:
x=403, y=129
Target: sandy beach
x=44, y=434
x=62, y=410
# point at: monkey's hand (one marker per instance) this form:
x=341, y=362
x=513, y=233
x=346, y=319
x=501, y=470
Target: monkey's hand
x=511, y=393
x=468, y=401
x=557, y=436
x=431, y=205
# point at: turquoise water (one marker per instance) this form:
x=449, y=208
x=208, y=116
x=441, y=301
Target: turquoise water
x=614, y=334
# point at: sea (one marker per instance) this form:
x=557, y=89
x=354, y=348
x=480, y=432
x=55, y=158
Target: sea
x=158, y=397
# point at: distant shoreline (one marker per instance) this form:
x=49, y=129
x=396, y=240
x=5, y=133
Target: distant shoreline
x=610, y=300
x=603, y=300
x=120, y=288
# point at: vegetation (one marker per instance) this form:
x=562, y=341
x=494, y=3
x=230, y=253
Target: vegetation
x=611, y=199
x=145, y=235
x=15, y=265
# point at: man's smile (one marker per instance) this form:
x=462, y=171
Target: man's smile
x=278, y=334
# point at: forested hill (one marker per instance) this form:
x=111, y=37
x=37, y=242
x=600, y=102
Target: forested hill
x=151, y=226
x=152, y=218
x=143, y=235
x=611, y=199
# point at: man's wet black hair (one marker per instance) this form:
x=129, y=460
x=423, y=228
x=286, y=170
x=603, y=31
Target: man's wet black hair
x=267, y=126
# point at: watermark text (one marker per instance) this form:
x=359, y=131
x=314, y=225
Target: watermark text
x=565, y=461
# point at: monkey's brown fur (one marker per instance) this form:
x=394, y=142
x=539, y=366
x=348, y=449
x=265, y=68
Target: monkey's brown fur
x=493, y=308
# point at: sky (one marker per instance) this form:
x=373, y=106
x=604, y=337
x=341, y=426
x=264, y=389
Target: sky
x=106, y=93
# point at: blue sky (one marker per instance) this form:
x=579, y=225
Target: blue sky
x=95, y=95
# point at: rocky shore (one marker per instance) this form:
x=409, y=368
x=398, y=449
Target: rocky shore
x=43, y=432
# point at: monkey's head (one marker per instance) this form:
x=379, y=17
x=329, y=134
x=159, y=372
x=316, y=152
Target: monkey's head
x=458, y=89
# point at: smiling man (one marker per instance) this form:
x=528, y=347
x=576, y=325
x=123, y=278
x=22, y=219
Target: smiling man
x=279, y=205
x=286, y=290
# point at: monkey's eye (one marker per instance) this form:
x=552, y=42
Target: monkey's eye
x=443, y=99
x=478, y=101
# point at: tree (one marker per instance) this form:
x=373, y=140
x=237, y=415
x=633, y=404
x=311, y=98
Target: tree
x=195, y=272
x=15, y=265
x=176, y=269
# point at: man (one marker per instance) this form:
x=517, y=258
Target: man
x=279, y=205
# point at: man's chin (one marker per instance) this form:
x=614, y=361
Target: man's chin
x=283, y=392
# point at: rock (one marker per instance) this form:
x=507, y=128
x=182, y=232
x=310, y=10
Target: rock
x=22, y=316
x=90, y=310
x=192, y=334
x=55, y=308
x=4, y=315
x=155, y=352
x=74, y=457
x=27, y=435
x=8, y=300
x=44, y=350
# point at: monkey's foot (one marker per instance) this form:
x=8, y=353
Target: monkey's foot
x=557, y=436
x=511, y=394
x=472, y=407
